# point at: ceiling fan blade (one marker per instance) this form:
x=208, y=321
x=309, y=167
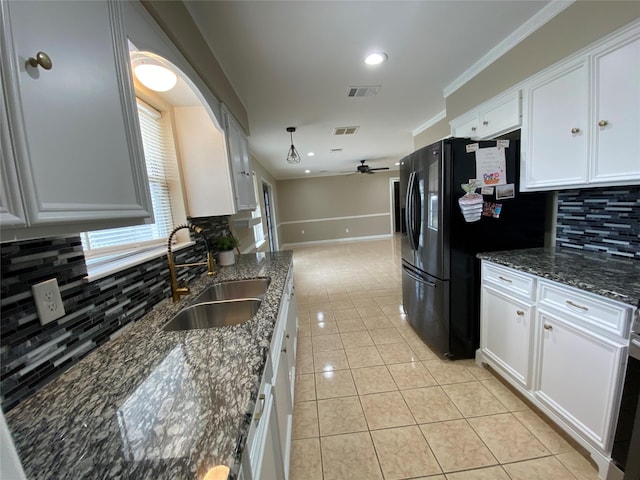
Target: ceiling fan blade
x=370, y=171
x=379, y=168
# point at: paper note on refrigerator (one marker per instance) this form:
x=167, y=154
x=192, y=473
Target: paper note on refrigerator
x=490, y=166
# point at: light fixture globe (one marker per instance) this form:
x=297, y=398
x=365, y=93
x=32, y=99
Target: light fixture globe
x=153, y=74
x=293, y=156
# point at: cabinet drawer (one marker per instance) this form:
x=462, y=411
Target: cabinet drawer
x=509, y=280
x=587, y=309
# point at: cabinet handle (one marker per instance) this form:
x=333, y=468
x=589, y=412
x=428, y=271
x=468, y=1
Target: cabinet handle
x=485, y=123
x=284, y=350
x=520, y=313
x=548, y=327
x=473, y=129
x=577, y=306
x=603, y=123
x=505, y=279
x=41, y=59
x=258, y=415
x=575, y=130
x=286, y=335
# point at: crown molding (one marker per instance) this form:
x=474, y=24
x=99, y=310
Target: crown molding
x=430, y=123
x=517, y=36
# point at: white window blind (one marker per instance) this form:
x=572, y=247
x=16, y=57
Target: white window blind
x=156, y=141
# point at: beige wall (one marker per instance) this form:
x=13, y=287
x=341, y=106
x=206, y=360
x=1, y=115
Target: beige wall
x=175, y=20
x=437, y=131
x=581, y=24
x=313, y=204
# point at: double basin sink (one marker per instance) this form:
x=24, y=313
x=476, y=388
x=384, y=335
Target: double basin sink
x=221, y=305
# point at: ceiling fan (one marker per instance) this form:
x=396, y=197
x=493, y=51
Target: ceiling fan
x=366, y=169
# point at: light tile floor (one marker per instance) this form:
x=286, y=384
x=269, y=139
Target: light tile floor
x=372, y=401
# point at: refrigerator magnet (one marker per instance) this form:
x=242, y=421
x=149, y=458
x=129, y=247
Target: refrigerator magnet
x=472, y=147
x=505, y=191
x=487, y=191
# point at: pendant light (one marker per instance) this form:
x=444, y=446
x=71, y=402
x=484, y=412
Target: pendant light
x=292, y=154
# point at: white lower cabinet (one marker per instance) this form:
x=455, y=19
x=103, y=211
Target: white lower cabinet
x=507, y=332
x=578, y=375
x=562, y=348
x=266, y=454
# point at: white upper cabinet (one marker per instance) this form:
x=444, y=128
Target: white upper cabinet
x=581, y=119
x=555, y=137
x=617, y=113
x=204, y=163
x=73, y=127
x=11, y=211
x=494, y=117
x=240, y=160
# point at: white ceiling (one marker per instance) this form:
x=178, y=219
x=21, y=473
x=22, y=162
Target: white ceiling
x=291, y=63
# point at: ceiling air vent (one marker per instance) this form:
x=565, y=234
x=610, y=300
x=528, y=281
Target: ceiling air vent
x=336, y=149
x=345, y=130
x=363, y=91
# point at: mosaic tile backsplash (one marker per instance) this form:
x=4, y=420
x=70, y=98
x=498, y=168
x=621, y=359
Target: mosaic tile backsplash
x=600, y=219
x=31, y=355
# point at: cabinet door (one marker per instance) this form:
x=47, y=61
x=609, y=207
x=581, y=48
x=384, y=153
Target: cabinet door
x=11, y=211
x=578, y=376
x=284, y=407
x=240, y=163
x=266, y=458
x=555, y=130
x=75, y=128
x=506, y=333
x=465, y=127
x=501, y=117
x=616, y=124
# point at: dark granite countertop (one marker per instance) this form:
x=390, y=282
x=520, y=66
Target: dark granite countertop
x=151, y=404
x=613, y=277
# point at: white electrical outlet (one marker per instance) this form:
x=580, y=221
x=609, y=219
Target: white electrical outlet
x=48, y=300
x=302, y=232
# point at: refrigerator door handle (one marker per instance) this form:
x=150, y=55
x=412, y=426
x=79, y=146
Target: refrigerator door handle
x=408, y=211
x=417, y=279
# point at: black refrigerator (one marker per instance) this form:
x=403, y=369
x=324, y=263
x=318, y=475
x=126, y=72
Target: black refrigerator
x=440, y=271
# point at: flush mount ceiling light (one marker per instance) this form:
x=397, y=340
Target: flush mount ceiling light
x=292, y=155
x=375, y=58
x=310, y=154
x=307, y=171
x=153, y=74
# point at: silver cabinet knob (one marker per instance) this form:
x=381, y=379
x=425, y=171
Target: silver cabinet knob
x=41, y=59
x=485, y=123
x=603, y=123
x=575, y=130
x=548, y=327
x=520, y=313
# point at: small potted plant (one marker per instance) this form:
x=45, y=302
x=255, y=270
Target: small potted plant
x=224, y=246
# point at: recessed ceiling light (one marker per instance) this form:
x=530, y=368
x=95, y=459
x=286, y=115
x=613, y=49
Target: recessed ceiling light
x=307, y=171
x=397, y=163
x=310, y=154
x=375, y=58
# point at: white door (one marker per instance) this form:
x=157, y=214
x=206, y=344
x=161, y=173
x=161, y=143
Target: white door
x=506, y=334
x=578, y=375
x=501, y=118
x=616, y=124
x=11, y=211
x=555, y=130
x=284, y=407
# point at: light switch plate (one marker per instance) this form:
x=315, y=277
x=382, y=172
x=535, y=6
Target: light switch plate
x=48, y=300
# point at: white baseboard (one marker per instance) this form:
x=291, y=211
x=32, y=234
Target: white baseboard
x=336, y=240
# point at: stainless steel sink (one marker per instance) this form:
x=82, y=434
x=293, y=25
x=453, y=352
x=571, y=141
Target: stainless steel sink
x=252, y=288
x=214, y=314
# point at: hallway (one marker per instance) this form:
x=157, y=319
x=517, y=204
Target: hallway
x=372, y=401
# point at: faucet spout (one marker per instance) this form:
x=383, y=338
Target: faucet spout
x=176, y=291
